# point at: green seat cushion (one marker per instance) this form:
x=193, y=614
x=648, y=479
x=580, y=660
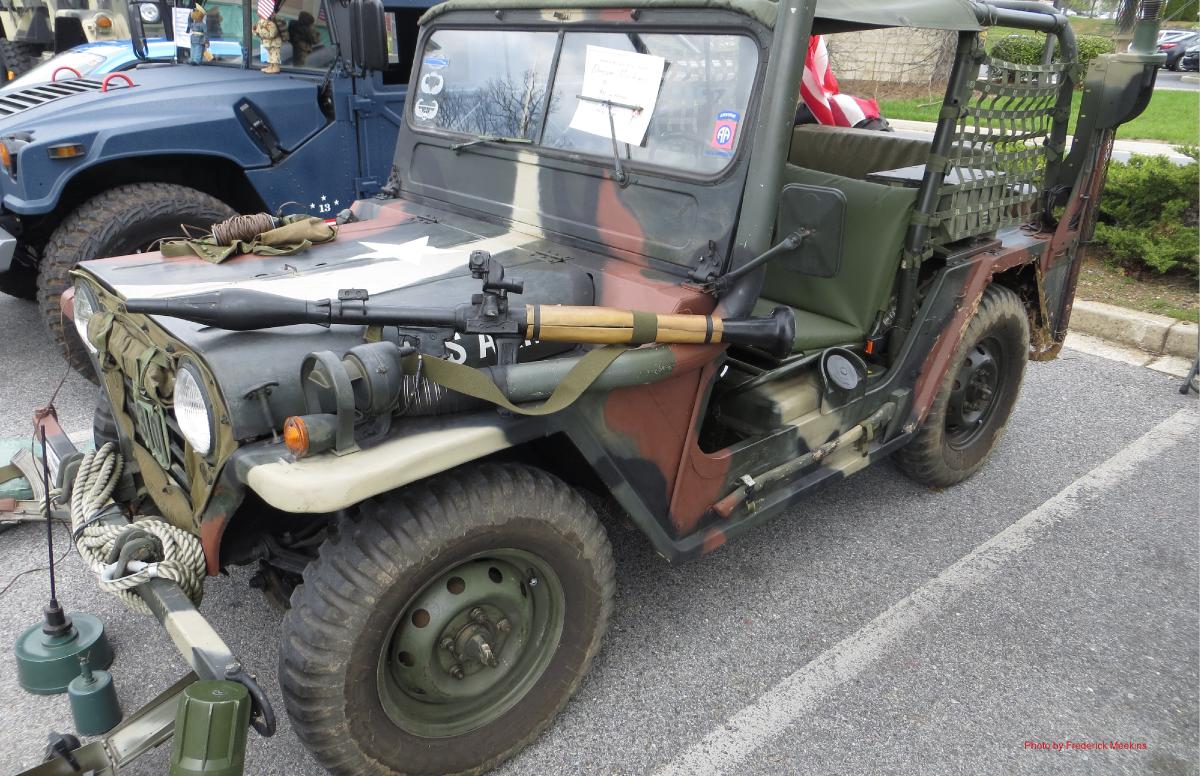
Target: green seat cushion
x=814, y=331
x=842, y=309
x=854, y=153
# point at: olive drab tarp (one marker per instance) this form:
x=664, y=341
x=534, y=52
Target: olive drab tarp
x=298, y=233
x=931, y=14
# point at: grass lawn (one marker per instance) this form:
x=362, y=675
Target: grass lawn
x=1171, y=117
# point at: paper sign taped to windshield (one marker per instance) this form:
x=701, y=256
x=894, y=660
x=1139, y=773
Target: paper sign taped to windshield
x=626, y=79
x=179, y=19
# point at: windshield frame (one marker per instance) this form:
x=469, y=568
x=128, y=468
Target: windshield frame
x=722, y=23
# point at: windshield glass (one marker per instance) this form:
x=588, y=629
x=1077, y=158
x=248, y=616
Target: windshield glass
x=34, y=21
x=672, y=100
x=83, y=62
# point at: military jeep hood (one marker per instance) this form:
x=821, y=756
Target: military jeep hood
x=408, y=256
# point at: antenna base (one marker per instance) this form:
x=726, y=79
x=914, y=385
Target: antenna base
x=47, y=662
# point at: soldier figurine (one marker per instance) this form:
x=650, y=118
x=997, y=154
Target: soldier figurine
x=267, y=31
x=198, y=36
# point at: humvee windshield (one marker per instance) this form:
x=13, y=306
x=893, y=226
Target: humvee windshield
x=672, y=100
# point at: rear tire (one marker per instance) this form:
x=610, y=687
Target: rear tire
x=17, y=58
x=123, y=220
x=976, y=397
x=371, y=666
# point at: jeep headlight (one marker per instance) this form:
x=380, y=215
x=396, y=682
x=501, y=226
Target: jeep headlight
x=82, y=310
x=193, y=410
x=148, y=12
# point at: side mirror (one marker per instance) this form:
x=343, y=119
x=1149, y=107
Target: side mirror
x=368, y=35
x=155, y=13
x=822, y=212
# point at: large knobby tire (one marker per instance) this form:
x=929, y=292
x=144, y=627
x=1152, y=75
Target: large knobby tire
x=17, y=58
x=371, y=664
x=976, y=397
x=122, y=220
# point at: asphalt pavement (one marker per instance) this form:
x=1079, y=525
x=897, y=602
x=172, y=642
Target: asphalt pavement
x=1180, y=82
x=878, y=627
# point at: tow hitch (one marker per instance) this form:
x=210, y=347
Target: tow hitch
x=207, y=712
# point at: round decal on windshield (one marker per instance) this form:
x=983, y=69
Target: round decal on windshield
x=432, y=83
x=425, y=110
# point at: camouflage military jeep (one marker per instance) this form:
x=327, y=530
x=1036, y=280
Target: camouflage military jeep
x=448, y=583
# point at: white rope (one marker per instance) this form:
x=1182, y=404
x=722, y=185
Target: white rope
x=96, y=529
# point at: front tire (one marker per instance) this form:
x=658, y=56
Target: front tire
x=122, y=220
x=976, y=397
x=445, y=629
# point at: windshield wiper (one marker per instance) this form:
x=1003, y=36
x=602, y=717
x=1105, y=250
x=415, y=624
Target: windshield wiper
x=489, y=139
x=618, y=171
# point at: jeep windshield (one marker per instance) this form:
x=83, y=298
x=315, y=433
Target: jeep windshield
x=669, y=100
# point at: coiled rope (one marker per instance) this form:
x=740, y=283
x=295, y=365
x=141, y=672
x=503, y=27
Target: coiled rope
x=98, y=527
x=244, y=228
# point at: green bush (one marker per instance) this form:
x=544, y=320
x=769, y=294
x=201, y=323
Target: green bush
x=1148, y=215
x=1027, y=49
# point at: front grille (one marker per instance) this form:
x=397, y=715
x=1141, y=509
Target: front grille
x=158, y=432
x=12, y=103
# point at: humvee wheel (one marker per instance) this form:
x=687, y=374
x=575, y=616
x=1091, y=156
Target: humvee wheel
x=444, y=629
x=976, y=396
x=125, y=219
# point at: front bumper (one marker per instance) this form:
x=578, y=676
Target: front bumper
x=8, y=248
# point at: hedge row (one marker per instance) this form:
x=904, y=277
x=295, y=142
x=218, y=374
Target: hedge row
x=1027, y=49
x=1149, y=215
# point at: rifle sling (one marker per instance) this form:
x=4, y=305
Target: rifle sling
x=476, y=383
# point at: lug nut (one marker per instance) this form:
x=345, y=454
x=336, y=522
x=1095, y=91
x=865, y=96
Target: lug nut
x=447, y=644
x=478, y=614
x=503, y=626
x=456, y=671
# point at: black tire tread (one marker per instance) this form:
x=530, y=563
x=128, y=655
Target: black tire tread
x=85, y=233
x=396, y=531
x=922, y=459
x=18, y=58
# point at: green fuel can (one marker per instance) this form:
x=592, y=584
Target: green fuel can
x=210, y=730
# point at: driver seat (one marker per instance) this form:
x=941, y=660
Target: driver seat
x=842, y=309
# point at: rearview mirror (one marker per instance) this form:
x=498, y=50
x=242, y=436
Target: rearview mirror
x=820, y=211
x=369, y=36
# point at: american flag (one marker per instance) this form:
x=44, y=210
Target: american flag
x=820, y=92
x=266, y=9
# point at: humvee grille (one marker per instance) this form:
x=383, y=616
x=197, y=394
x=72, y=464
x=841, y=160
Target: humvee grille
x=12, y=103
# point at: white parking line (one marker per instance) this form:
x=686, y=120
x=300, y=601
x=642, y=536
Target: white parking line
x=784, y=704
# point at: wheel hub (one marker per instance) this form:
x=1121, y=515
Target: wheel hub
x=973, y=395
x=469, y=645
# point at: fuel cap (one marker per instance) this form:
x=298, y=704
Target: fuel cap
x=841, y=372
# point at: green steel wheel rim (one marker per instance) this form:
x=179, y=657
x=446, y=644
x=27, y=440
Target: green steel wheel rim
x=471, y=643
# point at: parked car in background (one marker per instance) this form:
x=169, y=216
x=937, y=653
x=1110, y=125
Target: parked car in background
x=1191, y=58
x=1166, y=36
x=95, y=60
x=1175, y=48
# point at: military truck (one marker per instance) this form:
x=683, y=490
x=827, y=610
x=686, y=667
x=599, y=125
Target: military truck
x=107, y=166
x=609, y=263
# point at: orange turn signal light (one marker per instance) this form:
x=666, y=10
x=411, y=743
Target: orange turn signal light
x=66, y=150
x=103, y=22
x=6, y=158
x=295, y=436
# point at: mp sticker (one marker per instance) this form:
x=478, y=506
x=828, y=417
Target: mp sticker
x=424, y=109
x=725, y=130
x=435, y=63
x=432, y=83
